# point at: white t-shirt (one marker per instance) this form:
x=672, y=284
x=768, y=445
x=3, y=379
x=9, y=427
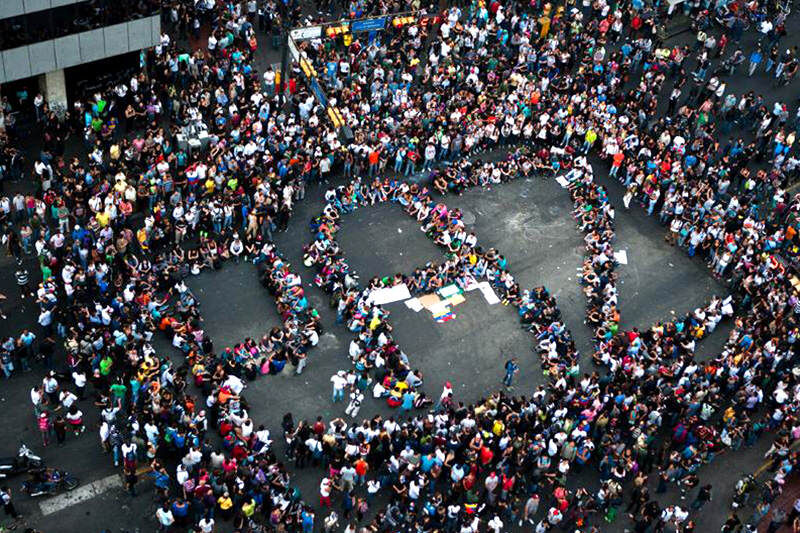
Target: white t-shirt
x=128, y=448
x=325, y=488
x=338, y=382
x=67, y=399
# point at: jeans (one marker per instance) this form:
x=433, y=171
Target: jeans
x=509, y=377
x=338, y=394
x=651, y=206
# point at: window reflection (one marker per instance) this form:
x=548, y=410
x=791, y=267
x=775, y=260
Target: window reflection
x=70, y=19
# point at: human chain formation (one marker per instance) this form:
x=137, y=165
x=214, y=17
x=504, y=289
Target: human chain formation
x=118, y=225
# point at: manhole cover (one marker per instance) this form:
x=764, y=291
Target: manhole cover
x=467, y=217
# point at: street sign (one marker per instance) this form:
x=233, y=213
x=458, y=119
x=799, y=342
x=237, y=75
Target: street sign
x=304, y=34
x=368, y=25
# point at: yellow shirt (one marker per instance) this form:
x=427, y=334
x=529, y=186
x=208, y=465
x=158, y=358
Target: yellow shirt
x=249, y=508
x=225, y=503
x=103, y=219
x=374, y=323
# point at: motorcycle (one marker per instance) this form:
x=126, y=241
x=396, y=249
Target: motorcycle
x=25, y=461
x=49, y=482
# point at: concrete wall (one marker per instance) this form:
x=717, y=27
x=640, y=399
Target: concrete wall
x=65, y=52
x=54, y=88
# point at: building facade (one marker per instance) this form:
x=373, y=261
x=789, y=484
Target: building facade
x=42, y=39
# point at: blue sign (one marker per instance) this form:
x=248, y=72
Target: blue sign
x=317, y=90
x=368, y=25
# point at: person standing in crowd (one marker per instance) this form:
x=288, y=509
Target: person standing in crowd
x=511, y=369
x=8, y=504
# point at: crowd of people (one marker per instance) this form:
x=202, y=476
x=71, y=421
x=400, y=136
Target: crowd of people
x=737, y=218
x=117, y=229
x=115, y=236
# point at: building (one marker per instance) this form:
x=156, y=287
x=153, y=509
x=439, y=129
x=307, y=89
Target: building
x=43, y=43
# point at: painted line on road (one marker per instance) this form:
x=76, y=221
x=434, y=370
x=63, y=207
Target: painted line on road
x=763, y=468
x=79, y=495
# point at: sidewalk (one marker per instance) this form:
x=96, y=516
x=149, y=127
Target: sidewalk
x=791, y=492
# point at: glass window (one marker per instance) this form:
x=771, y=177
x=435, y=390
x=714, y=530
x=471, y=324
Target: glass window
x=70, y=19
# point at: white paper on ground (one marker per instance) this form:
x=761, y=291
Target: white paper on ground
x=488, y=293
x=561, y=180
x=471, y=284
x=448, y=290
x=389, y=294
x=440, y=308
x=414, y=305
x=621, y=257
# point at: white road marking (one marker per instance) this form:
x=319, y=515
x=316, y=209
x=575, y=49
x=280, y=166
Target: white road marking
x=80, y=494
